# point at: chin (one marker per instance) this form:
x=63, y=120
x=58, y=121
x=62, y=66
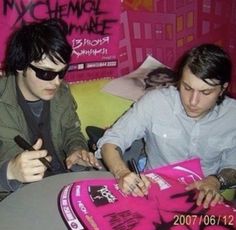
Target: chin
x=193, y=115
x=47, y=98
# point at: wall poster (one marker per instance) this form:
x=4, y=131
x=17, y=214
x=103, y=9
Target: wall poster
x=93, y=31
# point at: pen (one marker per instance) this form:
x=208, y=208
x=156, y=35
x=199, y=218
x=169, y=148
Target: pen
x=136, y=170
x=21, y=142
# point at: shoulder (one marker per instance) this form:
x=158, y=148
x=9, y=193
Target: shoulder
x=227, y=109
x=229, y=104
x=3, y=84
x=63, y=92
x=64, y=97
x=8, y=90
x=161, y=95
x=3, y=80
x=157, y=102
x=64, y=88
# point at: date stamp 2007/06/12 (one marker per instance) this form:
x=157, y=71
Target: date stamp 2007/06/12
x=206, y=220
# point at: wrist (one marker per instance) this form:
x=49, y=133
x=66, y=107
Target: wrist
x=119, y=173
x=75, y=149
x=10, y=175
x=221, y=180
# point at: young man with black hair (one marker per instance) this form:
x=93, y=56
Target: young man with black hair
x=191, y=120
x=36, y=104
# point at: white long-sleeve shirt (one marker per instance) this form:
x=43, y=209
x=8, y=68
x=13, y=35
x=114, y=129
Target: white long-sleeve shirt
x=172, y=136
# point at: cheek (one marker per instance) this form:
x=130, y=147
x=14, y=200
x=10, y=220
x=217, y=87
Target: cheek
x=35, y=85
x=209, y=102
x=34, y=81
x=184, y=96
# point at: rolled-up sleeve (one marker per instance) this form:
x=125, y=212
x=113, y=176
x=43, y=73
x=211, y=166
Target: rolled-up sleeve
x=5, y=184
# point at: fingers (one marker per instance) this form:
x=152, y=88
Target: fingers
x=49, y=158
x=25, y=169
x=90, y=159
x=208, y=198
x=218, y=199
x=36, y=154
x=135, y=190
x=33, y=157
x=146, y=184
x=34, y=177
x=192, y=186
x=131, y=184
x=38, y=144
x=30, y=159
x=208, y=194
x=82, y=157
x=32, y=174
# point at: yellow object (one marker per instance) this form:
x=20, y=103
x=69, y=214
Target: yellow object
x=229, y=194
x=95, y=107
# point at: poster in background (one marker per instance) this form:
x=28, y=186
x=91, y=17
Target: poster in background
x=93, y=31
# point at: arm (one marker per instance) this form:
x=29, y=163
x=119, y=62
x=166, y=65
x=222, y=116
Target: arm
x=74, y=142
x=111, y=155
x=209, y=187
x=12, y=123
x=71, y=126
x=128, y=181
x=5, y=184
x=130, y=127
x=25, y=167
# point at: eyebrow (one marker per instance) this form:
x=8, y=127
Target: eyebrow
x=49, y=68
x=208, y=89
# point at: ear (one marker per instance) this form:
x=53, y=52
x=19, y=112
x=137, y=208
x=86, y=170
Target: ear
x=20, y=72
x=224, y=87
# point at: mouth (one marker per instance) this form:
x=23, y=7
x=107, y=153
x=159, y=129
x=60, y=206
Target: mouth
x=51, y=91
x=192, y=110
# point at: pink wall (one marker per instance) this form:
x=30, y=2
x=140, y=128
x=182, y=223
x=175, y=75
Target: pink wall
x=167, y=28
x=93, y=31
x=161, y=28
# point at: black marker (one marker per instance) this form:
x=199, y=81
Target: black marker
x=136, y=170
x=21, y=142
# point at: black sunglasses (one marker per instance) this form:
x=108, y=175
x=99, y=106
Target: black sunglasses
x=47, y=75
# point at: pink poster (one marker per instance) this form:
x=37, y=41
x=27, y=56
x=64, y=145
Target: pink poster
x=93, y=31
x=99, y=204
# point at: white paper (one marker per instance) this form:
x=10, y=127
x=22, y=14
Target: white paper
x=132, y=86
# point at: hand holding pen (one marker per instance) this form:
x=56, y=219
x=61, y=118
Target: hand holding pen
x=140, y=186
x=27, y=166
x=21, y=142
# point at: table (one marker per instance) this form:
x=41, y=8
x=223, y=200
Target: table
x=35, y=207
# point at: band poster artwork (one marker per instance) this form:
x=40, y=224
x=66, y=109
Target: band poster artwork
x=93, y=31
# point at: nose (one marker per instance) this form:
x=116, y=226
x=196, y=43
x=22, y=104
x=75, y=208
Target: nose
x=194, y=98
x=56, y=81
